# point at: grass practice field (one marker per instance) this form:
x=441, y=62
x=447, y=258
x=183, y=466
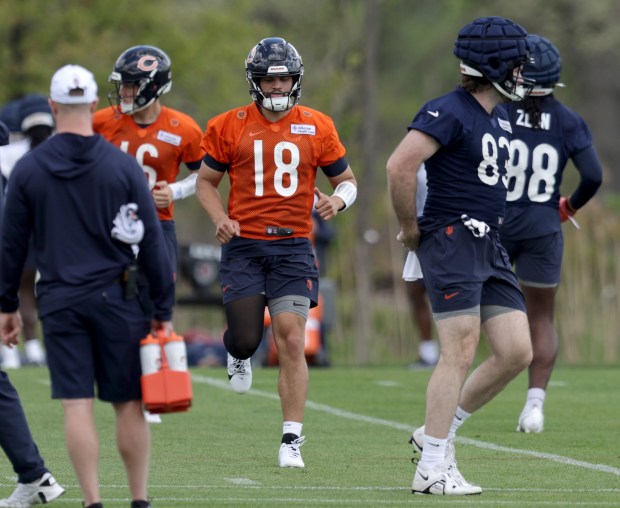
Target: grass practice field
x=223, y=452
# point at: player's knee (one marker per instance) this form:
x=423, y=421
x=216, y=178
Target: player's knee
x=240, y=346
x=292, y=345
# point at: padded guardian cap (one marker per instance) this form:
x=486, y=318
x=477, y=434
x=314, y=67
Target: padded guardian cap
x=493, y=48
x=546, y=66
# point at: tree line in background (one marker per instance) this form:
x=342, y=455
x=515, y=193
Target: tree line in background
x=370, y=64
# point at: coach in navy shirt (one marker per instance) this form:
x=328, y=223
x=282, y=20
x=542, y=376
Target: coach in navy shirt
x=463, y=139
x=89, y=209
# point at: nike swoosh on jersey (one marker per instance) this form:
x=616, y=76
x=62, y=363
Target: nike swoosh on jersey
x=433, y=113
x=449, y=296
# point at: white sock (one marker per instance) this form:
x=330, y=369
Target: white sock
x=535, y=397
x=459, y=419
x=292, y=428
x=433, y=454
x=34, y=351
x=429, y=351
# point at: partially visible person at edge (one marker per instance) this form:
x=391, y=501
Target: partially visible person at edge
x=86, y=204
x=421, y=313
x=546, y=135
x=271, y=150
x=35, y=483
x=37, y=124
x=159, y=137
x=463, y=139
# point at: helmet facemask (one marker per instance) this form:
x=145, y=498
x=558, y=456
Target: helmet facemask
x=146, y=94
x=515, y=87
x=283, y=102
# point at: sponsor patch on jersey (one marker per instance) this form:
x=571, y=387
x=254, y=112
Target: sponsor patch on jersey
x=505, y=124
x=168, y=137
x=309, y=130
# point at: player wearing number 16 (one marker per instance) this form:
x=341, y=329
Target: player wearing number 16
x=272, y=149
x=546, y=135
x=159, y=137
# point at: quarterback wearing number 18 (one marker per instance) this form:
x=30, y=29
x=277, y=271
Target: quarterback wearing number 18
x=272, y=150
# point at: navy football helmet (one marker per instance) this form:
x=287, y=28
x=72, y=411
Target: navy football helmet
x=9, y=115
x=146, y=66
x=274, y=57
x=493, y=47
x=546, y=66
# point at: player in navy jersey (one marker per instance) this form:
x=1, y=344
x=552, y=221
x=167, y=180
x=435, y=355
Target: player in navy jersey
x=463, y=139
x=546, y=135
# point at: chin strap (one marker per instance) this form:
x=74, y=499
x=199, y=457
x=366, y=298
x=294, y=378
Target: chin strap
x=185, y=187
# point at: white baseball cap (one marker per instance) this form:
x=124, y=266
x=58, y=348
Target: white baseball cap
x=70, y=78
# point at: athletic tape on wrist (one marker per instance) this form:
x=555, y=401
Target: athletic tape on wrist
x=184, y=188
x=346, y=191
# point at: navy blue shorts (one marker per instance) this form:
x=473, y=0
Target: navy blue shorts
x=96, y=342
x=537, y=261
x=462, y=271
x=274, y=276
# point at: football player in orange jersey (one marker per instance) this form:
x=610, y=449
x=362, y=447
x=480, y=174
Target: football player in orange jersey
x=271, y=150
x=160, y=138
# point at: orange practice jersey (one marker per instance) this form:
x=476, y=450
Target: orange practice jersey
x=272, y=166
x=160, y=148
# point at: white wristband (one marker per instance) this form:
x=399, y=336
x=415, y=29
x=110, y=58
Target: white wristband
x=185, y=187
x=347, y=191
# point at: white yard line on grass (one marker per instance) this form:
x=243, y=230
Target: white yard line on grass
x=219, y=383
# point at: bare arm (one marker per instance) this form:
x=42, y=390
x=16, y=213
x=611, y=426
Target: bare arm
x=210, y=200
x=402, y=169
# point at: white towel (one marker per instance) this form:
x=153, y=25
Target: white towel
x=412, y=270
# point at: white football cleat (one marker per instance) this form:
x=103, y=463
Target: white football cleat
x=43, y=490
x=532, y=421
x=151, y=417
x=11, y=358
x=442, y=481
x=417, y=440
x=289, y=454
x=239, y=374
